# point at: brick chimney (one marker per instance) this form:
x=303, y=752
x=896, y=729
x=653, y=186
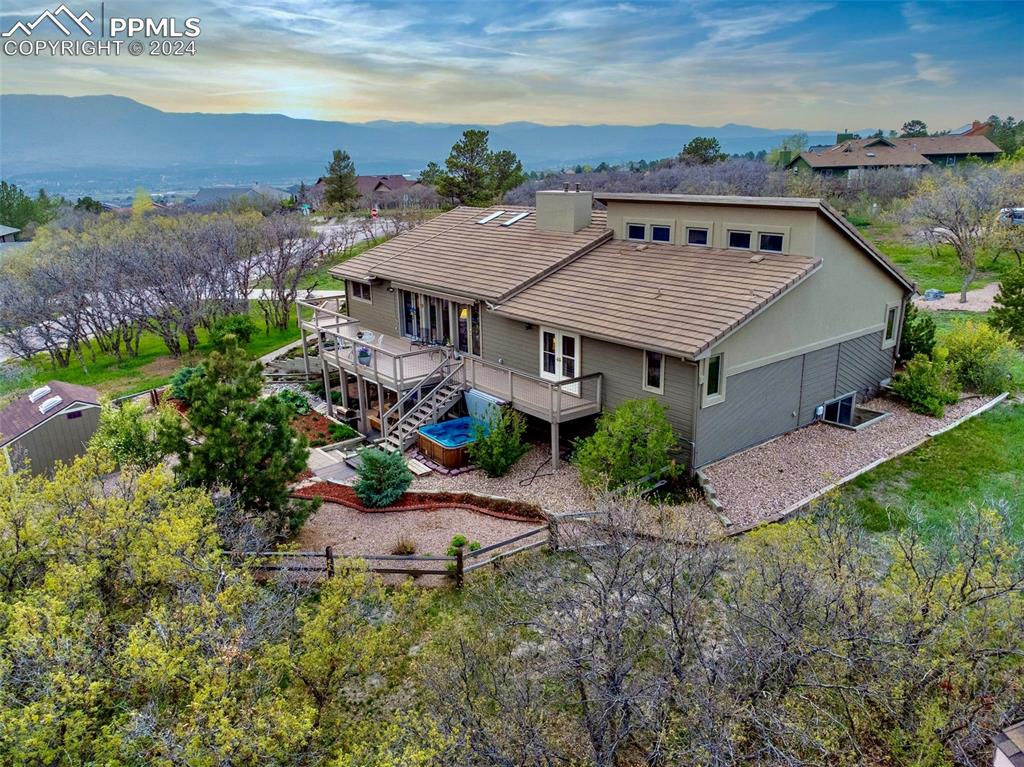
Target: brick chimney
x=564, y=210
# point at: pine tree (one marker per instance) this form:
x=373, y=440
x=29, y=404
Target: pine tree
x=468, y=178
x=1007, y=313
x=241, y=444
x=340, y=180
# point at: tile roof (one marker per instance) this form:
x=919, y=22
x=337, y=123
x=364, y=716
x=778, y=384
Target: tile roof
x=453, y=253
x=22, y=415
x=1011, y=742
x=897, y=151
x=674, y=298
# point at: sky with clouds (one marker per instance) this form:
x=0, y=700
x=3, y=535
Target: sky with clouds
x=782, y=64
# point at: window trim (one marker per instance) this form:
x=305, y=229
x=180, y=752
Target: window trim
x=707, y=242
x=650, y=233
x=369, y=290
x=760, y=246
x=728, y=238
x=707, y=400
x=629, y=224
x=890, y=342
x=661, y=375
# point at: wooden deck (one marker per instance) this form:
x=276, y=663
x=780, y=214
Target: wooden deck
x=396, y=363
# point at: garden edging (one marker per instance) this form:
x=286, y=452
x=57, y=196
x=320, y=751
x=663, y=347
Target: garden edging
x=335, y=493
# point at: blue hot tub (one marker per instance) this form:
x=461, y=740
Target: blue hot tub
x=445, y=442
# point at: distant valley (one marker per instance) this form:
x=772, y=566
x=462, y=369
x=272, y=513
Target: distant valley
x=107, y=146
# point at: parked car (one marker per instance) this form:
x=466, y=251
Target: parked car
x=1012, y=216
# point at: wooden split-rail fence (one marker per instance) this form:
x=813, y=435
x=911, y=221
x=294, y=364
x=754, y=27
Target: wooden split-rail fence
x=325, y=563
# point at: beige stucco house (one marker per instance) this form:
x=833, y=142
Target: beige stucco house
x=747, y=317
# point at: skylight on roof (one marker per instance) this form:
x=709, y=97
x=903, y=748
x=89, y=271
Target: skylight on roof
x=49, y=405
x=38, y=394
x=490, y=217
x=516, y=217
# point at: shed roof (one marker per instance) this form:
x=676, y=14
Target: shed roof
x=23, y=415
x=675, y=298
x=456, y=254
x=1011, y=742
x=6, y=230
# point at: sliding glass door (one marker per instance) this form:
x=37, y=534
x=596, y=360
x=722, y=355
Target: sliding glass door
x=438, y=320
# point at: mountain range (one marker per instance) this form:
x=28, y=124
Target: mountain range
x=110, y=145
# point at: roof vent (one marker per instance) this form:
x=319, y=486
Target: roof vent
x=871, y=154
x=516, y=217
x=49, y=404
x=38, y=394
x=490, y=217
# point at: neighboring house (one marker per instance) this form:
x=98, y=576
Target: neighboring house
x=53, y=423
x=1010, y=747
x=854, y=155
x=217, y=195
x=8, y=233
x=746, y=316
x=388, y=189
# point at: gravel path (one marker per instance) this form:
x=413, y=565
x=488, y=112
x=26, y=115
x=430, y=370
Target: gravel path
x=978, y=300
x=767, y=479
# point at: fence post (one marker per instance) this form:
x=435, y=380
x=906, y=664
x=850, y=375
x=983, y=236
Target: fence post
x=460, y=567
x=329, y=555
x=553, y=533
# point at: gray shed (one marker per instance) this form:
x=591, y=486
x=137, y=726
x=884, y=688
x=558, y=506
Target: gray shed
x=53, y=423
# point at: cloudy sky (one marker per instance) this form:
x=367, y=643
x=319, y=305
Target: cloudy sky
x=781, y=64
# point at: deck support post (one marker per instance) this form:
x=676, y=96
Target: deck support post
x=326, y=374
x=343, y=377
x=361, y=389
x=554, y=445
x=302, y=336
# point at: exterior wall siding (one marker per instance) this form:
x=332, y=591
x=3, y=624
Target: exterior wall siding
x=818, y=383
x=863, y=364
x=381, y=313
x=759, y=404
x=59, y=439
x=510, y=343
x=768, y=401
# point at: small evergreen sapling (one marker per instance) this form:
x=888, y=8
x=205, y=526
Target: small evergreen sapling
x=381, y=478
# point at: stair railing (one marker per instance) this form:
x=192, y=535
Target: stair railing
x=385, y=417
x=428, y=400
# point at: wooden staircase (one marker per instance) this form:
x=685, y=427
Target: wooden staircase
x=400, y=434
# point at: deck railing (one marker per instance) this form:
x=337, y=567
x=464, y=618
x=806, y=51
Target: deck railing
x=554, y=400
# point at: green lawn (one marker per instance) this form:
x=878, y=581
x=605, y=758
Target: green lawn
x=978, y=461
x=150, y=368
x=920, y=263
x=322, y=277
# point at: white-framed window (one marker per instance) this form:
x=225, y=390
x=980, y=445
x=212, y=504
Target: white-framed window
x=739, y=239
x=661, y=233
x=636, y=232
x=891, y=328
x=713, y=389
x=361, y=291
x=696, y=235
x=770, y=242
x=654, y=372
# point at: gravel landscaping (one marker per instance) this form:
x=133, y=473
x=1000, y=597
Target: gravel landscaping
x=978, y=300
x=531, y=479
x=759, y=484
x=351, y=532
